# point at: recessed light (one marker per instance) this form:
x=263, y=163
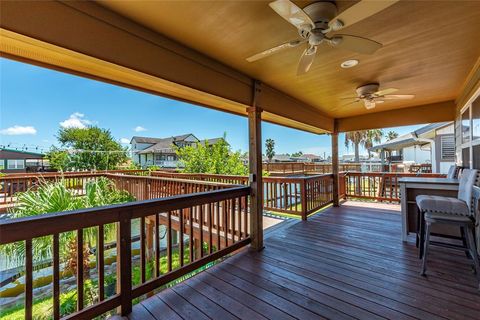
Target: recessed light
x=349, y=63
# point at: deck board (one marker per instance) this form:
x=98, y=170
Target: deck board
x=345, y=263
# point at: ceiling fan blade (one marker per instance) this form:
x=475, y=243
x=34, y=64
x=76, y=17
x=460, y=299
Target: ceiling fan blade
x=348, y=98
x=385, y=91
x=269, y=52
x=358, y=12
x=351, y=102
x=355, y=44
x=293, y=14
x=306, y=60
x=398, y=97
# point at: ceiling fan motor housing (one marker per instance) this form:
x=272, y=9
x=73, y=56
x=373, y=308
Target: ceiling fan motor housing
x=367, y=90
x=321, y=13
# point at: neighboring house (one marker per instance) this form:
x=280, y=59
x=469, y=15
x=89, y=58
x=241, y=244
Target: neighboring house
x=160, y=151
x=433, y=143
x=308, y=157
x=14, y=161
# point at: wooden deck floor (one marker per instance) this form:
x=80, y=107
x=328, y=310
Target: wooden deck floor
x=348, y=262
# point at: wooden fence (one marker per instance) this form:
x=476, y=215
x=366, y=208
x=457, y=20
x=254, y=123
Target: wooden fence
x=216, y=218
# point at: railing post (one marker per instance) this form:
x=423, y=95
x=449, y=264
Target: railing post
x=124, y=263
x=303, y=193
x=255, y=170
x=336, y=201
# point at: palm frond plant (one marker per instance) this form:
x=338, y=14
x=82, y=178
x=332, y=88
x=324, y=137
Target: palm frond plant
x=56, y=197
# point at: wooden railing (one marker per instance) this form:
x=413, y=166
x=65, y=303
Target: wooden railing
x=10, y=185
x=318, y=168
x=216, y=220
x=376, y=186
x=145, y=188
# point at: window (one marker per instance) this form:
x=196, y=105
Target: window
x=476, y=119
x=15, y=164
x=2, y=164
x=466, y=126
x=447, y=147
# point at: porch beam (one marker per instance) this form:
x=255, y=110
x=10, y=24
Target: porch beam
x=336, y=201
x=428, y=113
x=255, y=169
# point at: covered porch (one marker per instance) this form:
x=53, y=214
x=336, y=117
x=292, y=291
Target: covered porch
x=348, y=261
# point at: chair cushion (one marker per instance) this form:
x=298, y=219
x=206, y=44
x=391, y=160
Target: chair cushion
x=446, y=217
x=440, y=204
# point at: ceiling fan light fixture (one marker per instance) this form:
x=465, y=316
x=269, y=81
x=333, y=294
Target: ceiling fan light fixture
x=349, y=63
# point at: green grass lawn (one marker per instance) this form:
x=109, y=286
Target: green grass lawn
x=43, y=308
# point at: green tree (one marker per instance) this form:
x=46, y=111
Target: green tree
x=270, y=148
x=372, y=137
x=357, y=139
x=92, y=148
x=216, y=159
x=392, y=135
x=297, y=154
x=364, y=138
x=59, y=159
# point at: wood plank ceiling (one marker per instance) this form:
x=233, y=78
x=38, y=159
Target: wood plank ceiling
x=429, y=47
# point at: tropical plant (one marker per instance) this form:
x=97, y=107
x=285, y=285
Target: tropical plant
x=92, y=148
x=372, y=137
x=392, y=135
x=56, y=197
x=217, y=158
x=364, y=138
x=297, y=154
x=270, y=148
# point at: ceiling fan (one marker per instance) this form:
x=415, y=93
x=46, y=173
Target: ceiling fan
x=317, y=20
x=370, y=95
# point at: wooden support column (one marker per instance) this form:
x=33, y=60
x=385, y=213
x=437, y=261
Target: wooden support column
x=255, y=170
x=336, y=201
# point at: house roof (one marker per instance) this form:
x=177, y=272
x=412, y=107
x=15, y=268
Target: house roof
x=36, y=154
x=157, y=140
x=164, y=145
x=410, y=139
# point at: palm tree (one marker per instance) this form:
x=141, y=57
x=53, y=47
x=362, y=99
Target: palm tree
x=357, y=139
x=391, y=135
x=372, y=136
x=364, y=138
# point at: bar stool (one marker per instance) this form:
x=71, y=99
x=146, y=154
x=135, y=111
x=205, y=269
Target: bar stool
x=453, y=211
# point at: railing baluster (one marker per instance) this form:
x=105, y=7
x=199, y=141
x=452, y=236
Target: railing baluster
x=56, y=277
x=142, y=250
x=191, y=236
x=210, y=218
x=180, y=255
x=157, y=246
x=200, y=225
x=124, y=264
x=101, y=262
x=219, y=246
x=80, y=271
x=28, y=279
x=169, y=241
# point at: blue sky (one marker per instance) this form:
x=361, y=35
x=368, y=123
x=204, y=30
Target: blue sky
x=35, y=102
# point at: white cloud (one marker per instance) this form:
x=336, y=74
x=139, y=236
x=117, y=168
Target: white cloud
x=76, y=120
x=139, y=129
x=17, y=130
x=125, y=140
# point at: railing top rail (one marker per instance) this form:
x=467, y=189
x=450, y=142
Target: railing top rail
x=12, y=230
x=187, y=181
